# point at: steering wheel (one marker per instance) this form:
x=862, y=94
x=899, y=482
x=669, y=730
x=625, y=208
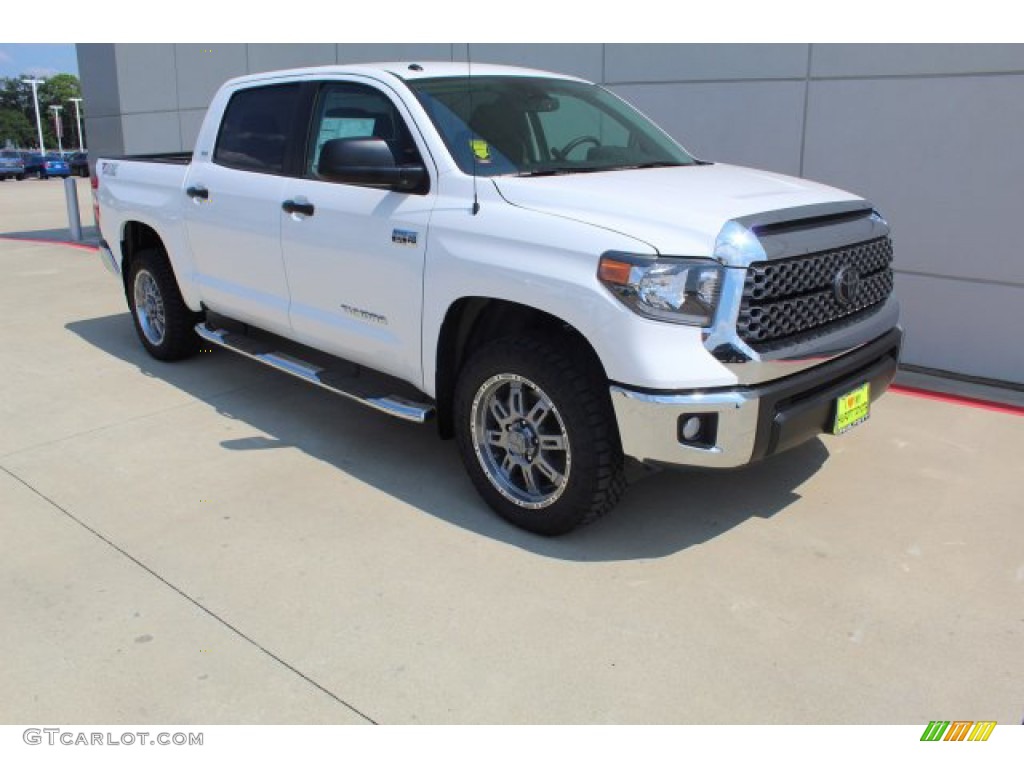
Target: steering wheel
x=563, y=153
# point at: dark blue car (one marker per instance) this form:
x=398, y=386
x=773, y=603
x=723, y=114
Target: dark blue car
x=45, y=167
x=79, y=164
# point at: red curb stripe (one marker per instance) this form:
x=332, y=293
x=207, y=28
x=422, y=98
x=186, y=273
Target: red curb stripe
x=972, y=402
x=82, y=246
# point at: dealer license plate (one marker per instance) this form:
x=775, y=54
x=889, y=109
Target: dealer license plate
x=852, y=409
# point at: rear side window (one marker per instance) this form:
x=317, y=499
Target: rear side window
x=255, y=130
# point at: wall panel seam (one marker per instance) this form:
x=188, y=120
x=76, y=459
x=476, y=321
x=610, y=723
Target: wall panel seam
x=960, y=278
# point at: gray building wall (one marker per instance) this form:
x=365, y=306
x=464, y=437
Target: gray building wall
x=929, y=133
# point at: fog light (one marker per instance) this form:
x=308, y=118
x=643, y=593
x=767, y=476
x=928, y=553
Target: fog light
x=699, y=430
x=691, y=428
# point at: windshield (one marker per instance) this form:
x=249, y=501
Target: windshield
x=537, y=126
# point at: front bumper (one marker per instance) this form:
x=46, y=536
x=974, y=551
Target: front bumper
x=753, y=422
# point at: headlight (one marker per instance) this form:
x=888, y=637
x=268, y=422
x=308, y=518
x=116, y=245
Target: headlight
x=675, y=290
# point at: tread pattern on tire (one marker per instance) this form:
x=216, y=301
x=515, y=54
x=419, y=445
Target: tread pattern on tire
x=578, y=375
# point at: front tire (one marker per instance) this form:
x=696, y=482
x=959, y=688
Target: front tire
x=164, y=323
x=537, y=434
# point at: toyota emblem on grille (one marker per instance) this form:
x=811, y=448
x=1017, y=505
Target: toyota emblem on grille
x=846, y=285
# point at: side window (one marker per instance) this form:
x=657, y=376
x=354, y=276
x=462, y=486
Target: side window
x=354, y=111
x=254, y=133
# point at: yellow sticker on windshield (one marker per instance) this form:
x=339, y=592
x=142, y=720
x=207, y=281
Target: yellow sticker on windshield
x=480, y=149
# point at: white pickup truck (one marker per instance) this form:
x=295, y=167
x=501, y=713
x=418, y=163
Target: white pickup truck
x=518, y=255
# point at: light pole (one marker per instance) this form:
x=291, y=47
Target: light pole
x=35, y=100
x=78, y=120
x=58, y=128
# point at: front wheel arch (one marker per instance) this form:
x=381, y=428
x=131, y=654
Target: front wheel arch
x=472, y=322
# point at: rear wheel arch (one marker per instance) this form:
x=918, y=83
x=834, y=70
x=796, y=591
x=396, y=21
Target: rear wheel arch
x=137, y=237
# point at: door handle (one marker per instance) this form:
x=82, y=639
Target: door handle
x=200, y=192
x=290, y=206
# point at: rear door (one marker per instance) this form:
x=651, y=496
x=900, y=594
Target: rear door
x=354, y=254
x=233, y=215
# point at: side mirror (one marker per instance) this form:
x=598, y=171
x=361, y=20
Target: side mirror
x=369, y=163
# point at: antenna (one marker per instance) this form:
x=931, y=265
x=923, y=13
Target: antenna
x=472, y=145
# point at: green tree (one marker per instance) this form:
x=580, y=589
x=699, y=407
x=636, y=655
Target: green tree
x=14, y=94
x=16, y=129
x=57, y=91
x=16, y=97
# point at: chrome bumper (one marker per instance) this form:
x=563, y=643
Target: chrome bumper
x=649, y=431
x=753, y=421
x=107, y=257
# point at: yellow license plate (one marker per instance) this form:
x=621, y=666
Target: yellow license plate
x=852, y=409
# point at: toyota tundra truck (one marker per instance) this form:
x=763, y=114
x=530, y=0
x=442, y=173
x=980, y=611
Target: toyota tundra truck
x=518, y=256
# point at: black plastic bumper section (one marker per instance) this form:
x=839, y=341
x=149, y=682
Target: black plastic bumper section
x=799, y=407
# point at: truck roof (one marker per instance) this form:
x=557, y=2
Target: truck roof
x=404, y=70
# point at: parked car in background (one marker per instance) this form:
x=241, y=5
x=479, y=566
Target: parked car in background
x=11, y=165
x=33, y=164
x=44, y=167
x=78, y=162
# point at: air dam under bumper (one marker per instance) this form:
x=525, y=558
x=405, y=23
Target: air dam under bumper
x=753, y=422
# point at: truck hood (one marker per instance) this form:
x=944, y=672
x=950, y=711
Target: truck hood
x=677, y=211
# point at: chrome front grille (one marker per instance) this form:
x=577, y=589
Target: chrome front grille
x=789, y=299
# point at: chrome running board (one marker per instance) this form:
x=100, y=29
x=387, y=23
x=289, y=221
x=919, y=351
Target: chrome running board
x=353, y=387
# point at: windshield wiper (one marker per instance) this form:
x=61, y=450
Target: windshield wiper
x=560, y=171
x=656, y=164
x=564, y=170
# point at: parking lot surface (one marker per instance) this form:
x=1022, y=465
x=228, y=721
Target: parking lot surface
x=213, y=542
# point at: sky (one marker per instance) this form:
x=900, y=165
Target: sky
x=37, y=59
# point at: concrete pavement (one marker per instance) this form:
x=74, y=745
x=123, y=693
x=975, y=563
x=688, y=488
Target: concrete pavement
x=213, y=542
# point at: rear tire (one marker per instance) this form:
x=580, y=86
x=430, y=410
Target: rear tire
x=164, y=323
x=537, y=434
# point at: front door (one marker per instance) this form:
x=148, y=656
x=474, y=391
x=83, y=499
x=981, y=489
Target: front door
x=353, y=254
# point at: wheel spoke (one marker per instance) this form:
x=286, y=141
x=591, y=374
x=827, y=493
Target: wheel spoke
x=507, y=465
x=548, y=471
x=496, y=437
x=498, y=411
x=552, y=442
x=531, y=481
x=515, y=399
x=539, y=412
